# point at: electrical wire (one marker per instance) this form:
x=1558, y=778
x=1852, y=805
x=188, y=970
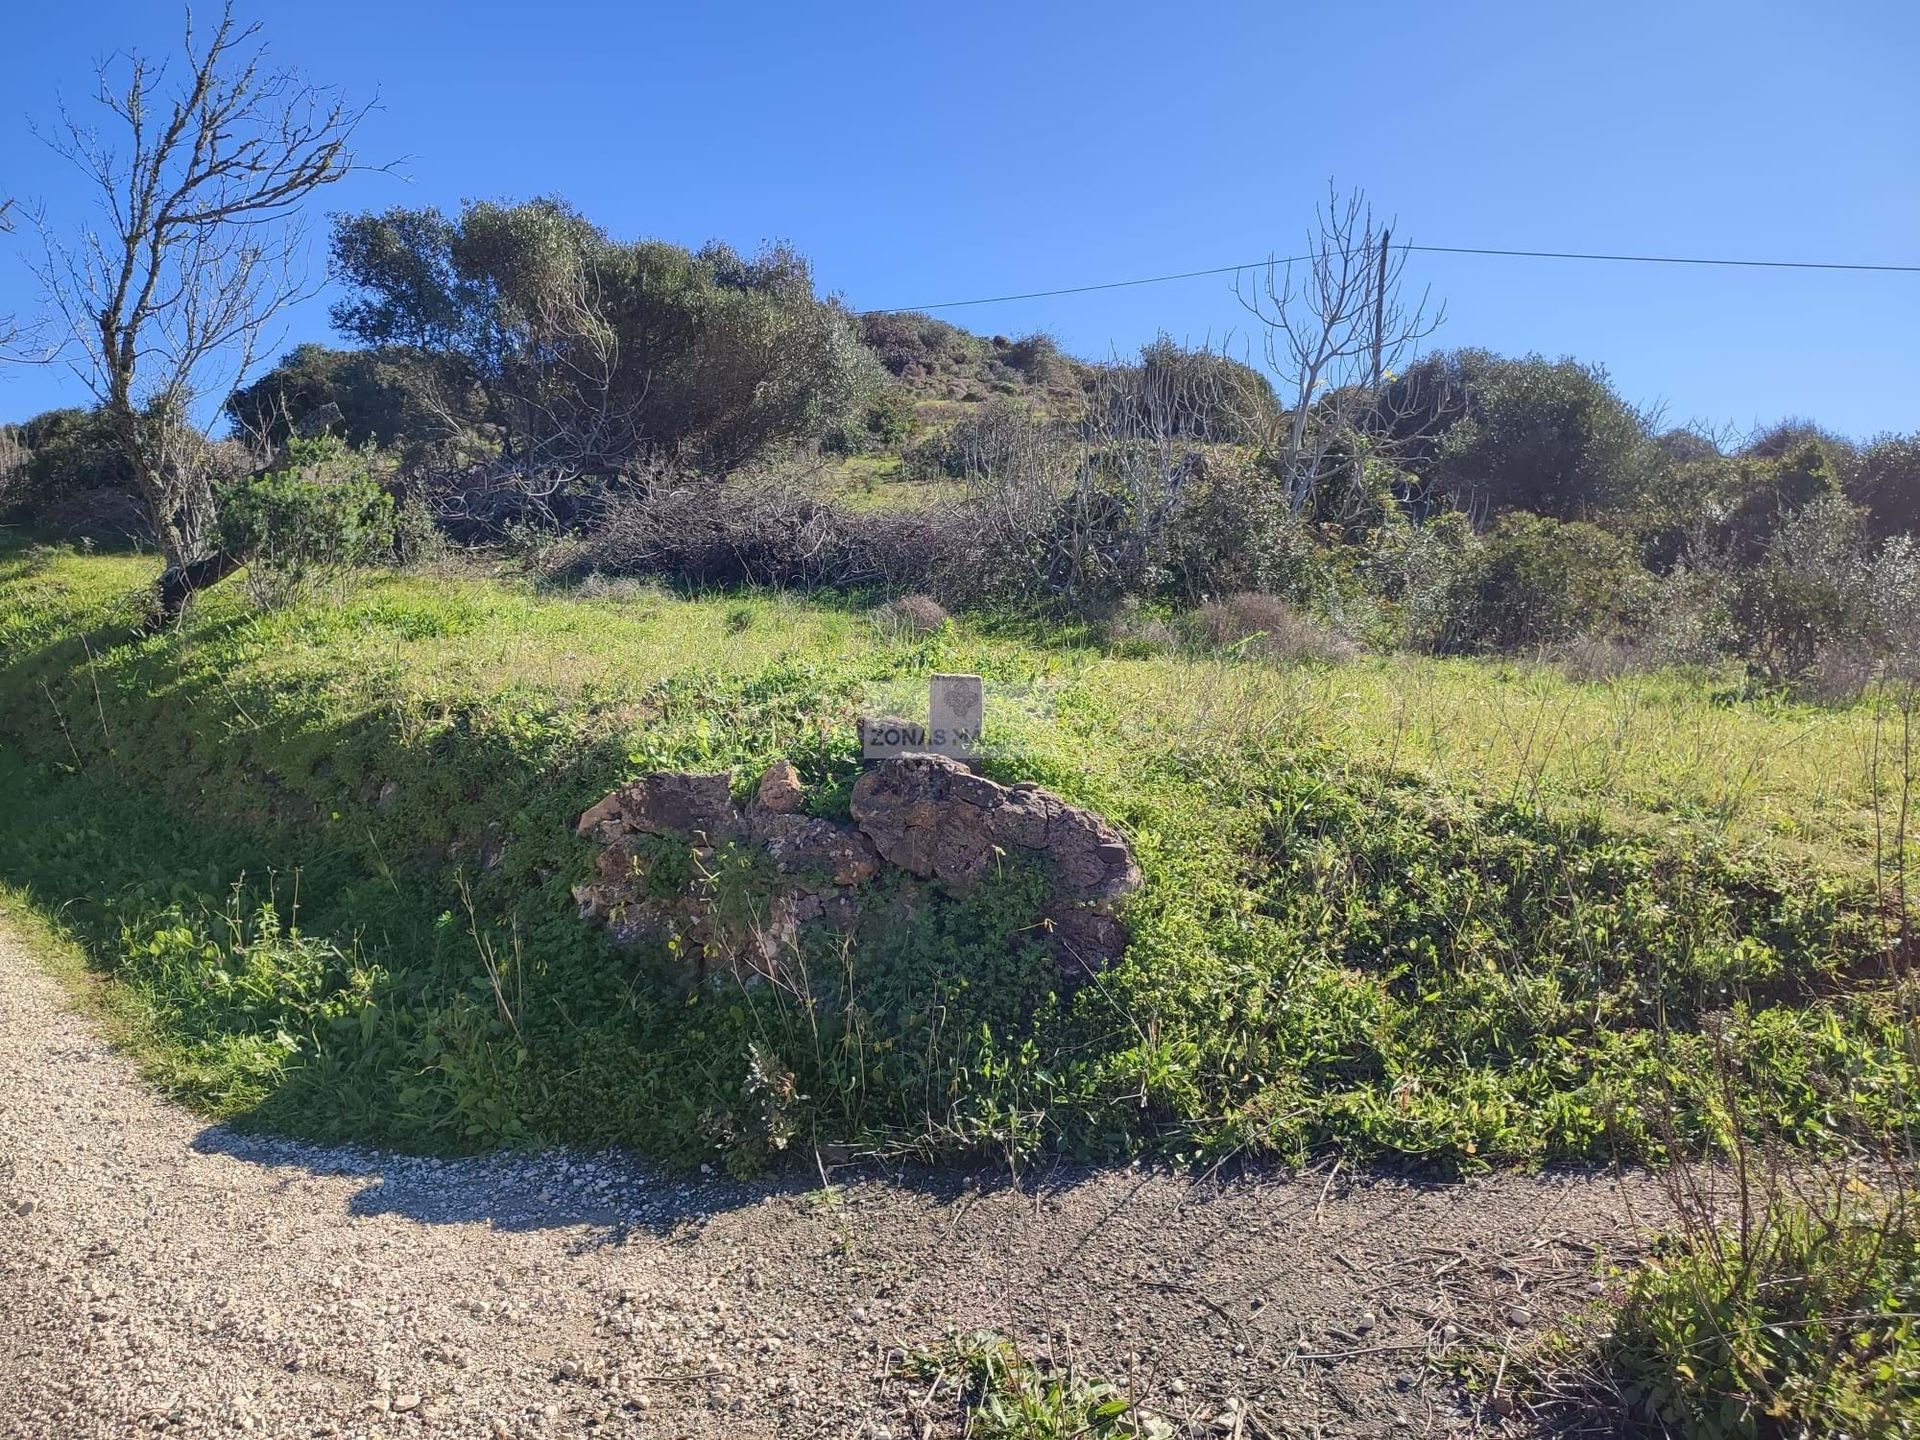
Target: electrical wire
x=1418, y=250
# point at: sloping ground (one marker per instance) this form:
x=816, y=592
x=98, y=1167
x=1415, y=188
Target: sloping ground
x=1462, y=913
x=160, y=1276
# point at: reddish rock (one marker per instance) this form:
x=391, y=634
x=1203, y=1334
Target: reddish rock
x=780, y=790
x=601, y=822
x=682, y=806
x=933, y=817
x=816, y=854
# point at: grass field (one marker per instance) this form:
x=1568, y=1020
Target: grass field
x=1463, y=912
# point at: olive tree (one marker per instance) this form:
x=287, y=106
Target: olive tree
x=585, y=356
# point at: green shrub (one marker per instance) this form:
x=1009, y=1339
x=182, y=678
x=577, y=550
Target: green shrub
x=1423, y=574
x=1194, y=393
x=61, y=473
x=403, y=399
x=1541, y=582
x=1230, y=532
x=1811, y=587
x=1803, y=1321
x=888, y=424
x=1037, y=357
x=1885, y=482
x=586, y=355
x=1753, y=496
x=910, y=344
x=1549, y=436
x=312, y=520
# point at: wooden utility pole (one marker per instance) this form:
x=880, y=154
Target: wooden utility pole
x=1380, y=306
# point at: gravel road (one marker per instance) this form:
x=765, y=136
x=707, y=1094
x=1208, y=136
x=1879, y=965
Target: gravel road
x=158, y=1275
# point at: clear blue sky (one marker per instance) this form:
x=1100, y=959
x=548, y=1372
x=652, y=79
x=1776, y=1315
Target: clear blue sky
x=924, y=153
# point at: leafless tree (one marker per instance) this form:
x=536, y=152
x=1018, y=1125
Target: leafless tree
x=9, y=325
x=199, y=187
x=1144, y=429
x=1334, y=327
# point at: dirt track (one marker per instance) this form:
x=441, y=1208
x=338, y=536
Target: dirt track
x=159, y=1275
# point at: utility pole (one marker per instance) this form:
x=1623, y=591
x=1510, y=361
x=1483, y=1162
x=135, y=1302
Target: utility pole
x=1380, y=306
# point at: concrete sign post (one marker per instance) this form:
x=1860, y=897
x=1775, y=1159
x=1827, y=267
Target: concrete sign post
x=956, y=715
x=956, y=710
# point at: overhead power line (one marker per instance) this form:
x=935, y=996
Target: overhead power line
x=1661, y=259
x=1418, y=250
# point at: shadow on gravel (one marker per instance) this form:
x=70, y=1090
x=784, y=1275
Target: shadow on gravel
x=608, y=1195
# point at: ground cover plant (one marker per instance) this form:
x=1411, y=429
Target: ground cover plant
x=1002, y=1394
x=1456, y=911
x=1799, y=1319
x=1779, y=1299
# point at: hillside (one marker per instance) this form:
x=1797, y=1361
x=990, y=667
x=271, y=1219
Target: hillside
x=1458, y=912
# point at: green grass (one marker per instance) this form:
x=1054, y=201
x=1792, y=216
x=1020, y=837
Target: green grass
x=876, y=482
x=1461, y=912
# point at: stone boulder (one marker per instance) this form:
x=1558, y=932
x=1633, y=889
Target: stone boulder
x=781, y=792
x=815, y=854
x=935, y=818
x=678, y=805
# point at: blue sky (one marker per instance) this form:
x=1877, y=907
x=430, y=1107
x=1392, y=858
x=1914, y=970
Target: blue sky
x=926, y=153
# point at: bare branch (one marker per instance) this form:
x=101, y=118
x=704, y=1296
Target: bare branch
x=1333, y=326
x=199, y=248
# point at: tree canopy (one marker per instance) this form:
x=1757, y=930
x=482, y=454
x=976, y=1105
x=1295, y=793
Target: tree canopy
x=585, y=354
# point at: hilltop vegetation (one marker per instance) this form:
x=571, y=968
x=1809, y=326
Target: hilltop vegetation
x=640, y=409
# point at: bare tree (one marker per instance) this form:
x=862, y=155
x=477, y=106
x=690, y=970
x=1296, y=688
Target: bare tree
x=1334, y=327
x=199, y=187
x=9, y=326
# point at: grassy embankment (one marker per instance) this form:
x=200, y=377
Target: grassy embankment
x=1463, y=912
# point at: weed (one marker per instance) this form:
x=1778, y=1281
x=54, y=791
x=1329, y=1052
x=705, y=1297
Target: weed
x=1005, y=1395
x=1789, y=1307
x=1805, y=1317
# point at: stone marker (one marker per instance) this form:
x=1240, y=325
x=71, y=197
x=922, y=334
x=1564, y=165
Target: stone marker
x=956, y=713
x=926, y=815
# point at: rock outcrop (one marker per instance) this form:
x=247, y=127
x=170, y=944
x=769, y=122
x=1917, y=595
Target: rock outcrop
x=935, y=818
x=686, y=807
x=725, y=888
